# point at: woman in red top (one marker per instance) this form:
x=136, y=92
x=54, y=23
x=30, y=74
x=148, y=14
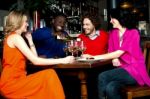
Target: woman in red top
x=93, y=38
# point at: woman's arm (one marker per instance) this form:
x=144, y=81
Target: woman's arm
x=112, y=55
x=18, y=41
x=31, y=44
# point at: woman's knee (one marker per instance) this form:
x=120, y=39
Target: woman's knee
x=103, y=76
x=113, y=90
x=112, y=87
x=49, y=72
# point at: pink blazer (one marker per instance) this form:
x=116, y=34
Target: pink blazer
x=132, y=60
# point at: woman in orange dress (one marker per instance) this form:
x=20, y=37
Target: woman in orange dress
x=14, y=81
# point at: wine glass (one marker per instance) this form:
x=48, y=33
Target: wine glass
x=66, y=48
x=82, y=47
x=76, y=48
x=71, y=47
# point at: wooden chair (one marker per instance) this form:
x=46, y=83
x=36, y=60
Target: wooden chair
x=140, y=91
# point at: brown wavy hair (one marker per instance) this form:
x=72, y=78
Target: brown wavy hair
x=94, y=19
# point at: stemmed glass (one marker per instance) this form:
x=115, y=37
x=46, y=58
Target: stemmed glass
x=76, y=48
x=66, y=49
x=71, y=47
x=82, y=47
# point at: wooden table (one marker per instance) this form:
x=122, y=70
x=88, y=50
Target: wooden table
x=81, y=73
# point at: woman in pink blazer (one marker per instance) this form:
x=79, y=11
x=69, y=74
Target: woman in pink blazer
x=126, y=54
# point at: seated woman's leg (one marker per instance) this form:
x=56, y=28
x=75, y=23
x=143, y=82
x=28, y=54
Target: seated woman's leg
x=113, y=90
x=44, y=84
x=106, y=79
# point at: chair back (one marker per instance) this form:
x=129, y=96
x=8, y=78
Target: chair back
x=147, y=54
x=140, y=91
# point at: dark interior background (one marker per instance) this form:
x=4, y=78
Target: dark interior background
x=5, y=4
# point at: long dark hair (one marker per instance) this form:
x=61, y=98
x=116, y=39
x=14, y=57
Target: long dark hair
x=125, y=18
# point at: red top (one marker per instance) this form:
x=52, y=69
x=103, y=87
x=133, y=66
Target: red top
x=97, y=46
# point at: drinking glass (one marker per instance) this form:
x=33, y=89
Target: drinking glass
x=76, y=48
x=82, y=47
x=71, y=47
x=66, y=49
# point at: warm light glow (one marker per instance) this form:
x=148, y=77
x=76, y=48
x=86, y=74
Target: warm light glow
x=135, y=10
x=126, y=5
x=141, y=15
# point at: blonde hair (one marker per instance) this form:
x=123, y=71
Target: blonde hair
x=14, y=21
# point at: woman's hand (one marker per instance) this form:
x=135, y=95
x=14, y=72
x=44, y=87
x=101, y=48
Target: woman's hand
x=28, y=36
x=68, y=59
x=116, y=62
x=87, y=56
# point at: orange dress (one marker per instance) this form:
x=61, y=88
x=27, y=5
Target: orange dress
x=15, y=84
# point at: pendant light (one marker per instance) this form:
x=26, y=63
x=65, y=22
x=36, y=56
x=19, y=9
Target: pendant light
x=126, y=5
